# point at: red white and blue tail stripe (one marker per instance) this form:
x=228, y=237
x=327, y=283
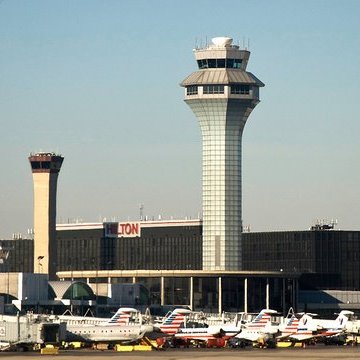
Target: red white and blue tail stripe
x=172, y=323
x=261, y=320
x=122, y=316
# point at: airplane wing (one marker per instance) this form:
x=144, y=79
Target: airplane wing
x=248, y=337
x=216, y=332
x=282, y=337
x=301, y=337
x=140, y=336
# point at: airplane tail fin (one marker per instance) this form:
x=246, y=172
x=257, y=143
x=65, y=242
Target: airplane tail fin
x=306, y=323
x=342, y=319
x=291, y=323
x=122, y=316
x=262, y=319
x=171, y=323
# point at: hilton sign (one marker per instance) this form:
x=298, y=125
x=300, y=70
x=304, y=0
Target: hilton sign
x=127, y=229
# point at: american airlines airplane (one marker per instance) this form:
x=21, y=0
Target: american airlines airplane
x=260, y=330
x=184, y=332
x=122, y=316
x=311, y=329
x=303, y=328
x=212, y=335
x=120, y=328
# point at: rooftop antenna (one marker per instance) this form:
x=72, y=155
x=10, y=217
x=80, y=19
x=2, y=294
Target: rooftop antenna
x=141, y=209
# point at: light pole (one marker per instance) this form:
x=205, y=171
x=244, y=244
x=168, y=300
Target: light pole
x=39, y=258
x=95, y=266
x=4, y=254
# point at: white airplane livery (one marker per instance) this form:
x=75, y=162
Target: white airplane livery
x=305, y=328
x=260, y=329
x=212, y=335
x=118, y=329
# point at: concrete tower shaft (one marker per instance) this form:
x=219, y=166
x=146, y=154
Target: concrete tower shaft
x=222, y=95
x=45, y=168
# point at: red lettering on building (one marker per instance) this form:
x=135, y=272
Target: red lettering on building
x=129, y=229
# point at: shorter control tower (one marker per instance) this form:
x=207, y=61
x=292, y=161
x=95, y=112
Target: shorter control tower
x=45, y=168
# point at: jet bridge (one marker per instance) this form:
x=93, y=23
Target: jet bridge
x=24, y=332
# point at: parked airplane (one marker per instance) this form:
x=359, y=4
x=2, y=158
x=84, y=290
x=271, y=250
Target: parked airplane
x=300, y=329
x=183, y=331
x=310, y=329
x=260, y=330
x=118, y=329
x=209, y=335
x=337, y=326
x=122, y=316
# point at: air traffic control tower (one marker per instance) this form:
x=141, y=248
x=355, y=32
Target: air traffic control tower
x=45, y=169
x=222, y=95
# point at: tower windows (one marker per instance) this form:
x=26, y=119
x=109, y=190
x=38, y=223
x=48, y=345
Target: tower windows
x=219, y=63
x=213, y=89
x=40, y=164
x=233, y=63
x=192, y=90
x=240, y=89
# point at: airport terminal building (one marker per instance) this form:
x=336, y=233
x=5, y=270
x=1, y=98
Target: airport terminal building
x=280, y=269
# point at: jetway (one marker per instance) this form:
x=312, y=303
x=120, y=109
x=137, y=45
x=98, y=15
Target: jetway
x=24, y=332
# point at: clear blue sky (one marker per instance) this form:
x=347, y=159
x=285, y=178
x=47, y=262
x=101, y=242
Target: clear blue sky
x=98, y=82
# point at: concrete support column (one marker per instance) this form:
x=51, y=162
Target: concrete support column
x=134, y=280
x=294, y=292
x=220, y=295
x=191, y=293
x=283, y=296
x=245, y=295
x=162, y=291
x=267, y=294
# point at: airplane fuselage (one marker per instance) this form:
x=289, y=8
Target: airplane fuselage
x=107, y=333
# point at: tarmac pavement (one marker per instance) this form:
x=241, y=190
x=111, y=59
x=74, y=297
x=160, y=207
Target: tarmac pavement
x=309, y=353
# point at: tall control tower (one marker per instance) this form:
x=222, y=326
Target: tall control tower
x=222, y=95
x=45, y=168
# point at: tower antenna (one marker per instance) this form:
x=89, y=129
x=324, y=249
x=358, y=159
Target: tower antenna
x=141, y=209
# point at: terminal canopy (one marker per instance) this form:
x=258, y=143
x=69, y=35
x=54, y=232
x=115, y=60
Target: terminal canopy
x=73, y=290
